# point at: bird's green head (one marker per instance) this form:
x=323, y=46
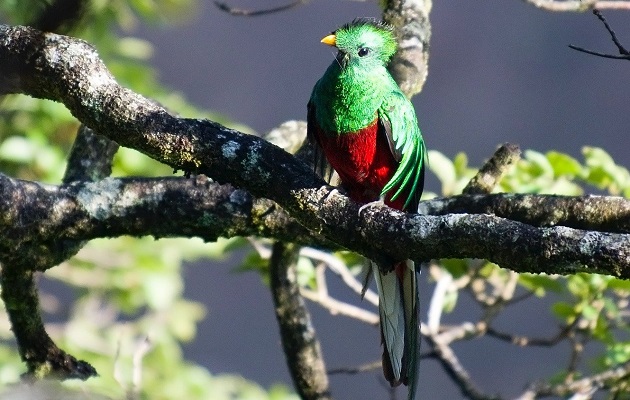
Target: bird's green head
x=363, y=42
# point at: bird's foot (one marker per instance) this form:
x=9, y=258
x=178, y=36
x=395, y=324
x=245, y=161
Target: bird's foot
x=332, y=193
x=378, y=202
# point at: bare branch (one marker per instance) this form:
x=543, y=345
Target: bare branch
x=299, y=341
x=337, y=307
x=530, y=341
x=86, y=211
x=410, y=19
x=579, y=5
x=90, y=159
x=68, y=70
x=491, y=172
x=623, y=53
x=582, y=385
x=598, y=213
x=455, y=370
x=357, y=370
x=340, y=269
x=255, y=13
x=42, y=356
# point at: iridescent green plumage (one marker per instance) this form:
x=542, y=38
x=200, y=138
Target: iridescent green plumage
x=367, y=130
x=355, y=90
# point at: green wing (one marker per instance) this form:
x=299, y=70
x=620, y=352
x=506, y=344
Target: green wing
x=398, y=119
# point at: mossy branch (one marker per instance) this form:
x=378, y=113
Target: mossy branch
x=69, y=70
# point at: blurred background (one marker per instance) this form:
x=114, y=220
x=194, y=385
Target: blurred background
x=498, y=72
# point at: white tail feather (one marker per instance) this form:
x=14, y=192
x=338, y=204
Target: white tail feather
x=392, y=317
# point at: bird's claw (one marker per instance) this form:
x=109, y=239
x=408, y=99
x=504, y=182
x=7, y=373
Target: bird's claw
x=378, y=202
x=332, y=193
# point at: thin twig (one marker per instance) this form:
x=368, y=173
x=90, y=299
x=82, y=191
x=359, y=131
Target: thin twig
x=529, y=341
x=255, y=13
x=624, y=54
x=456, y=370
x=613, y=36
x=142, y=348
x=448, y=335
x=358, y=369
x=579, y=5
x=581, y=385
x=337, y=307
x=577, y=348
x=436, y=305
x=340, y=269
x=367, y=367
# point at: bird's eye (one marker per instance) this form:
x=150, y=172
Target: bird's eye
x=363, y=51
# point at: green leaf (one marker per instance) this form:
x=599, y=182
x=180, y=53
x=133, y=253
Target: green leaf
x=135, y=48
x=564, y=311
x=17, y=149
x=460, y=162
x=351, y=259
x=619, y=284
x=540, y=283
x=589, y=312
x=184, y=316
x=455, y=266
x=604, y=173
x=450, y=300
x=444, y=169
x=578, y=286
x=306, y=273
x=618, y=353
x=538, y=164
x=161, y=289
x=254, y=262
x=563, y=164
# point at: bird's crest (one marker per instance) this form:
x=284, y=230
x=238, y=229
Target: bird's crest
x=362, y=21
x=368, y=32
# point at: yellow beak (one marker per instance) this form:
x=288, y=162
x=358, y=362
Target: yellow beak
x=330, y=40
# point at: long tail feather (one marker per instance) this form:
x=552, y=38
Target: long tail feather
x=398, y=309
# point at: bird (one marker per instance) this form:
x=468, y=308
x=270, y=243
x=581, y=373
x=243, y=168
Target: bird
x=362, y=126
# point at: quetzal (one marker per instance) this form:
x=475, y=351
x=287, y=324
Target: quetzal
x=366, y=129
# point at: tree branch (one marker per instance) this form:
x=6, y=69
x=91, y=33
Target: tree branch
x=597, y=213
x=68, y=70
x=452, y=366
x=491, y=172
x=579, y=5
x=410, y=19
x=255, y=13
x=299, y=340
x=139, y=206
x=623, y=52
x=90, y=159
x=583, y=385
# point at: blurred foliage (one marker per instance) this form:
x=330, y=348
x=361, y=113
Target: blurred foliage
x=129, y=313
x=596, y=304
